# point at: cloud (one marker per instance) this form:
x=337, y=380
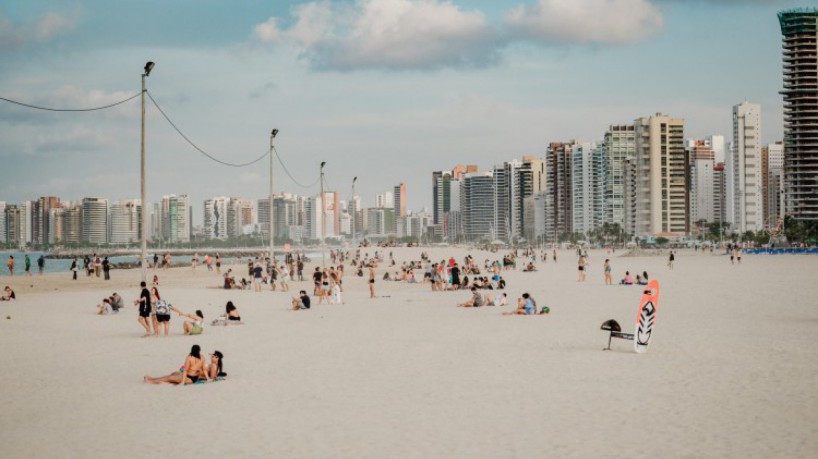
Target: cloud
x=50, y=25
x=387, y=34
x=585, y=21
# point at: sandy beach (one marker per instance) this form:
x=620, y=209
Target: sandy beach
x=732, y=368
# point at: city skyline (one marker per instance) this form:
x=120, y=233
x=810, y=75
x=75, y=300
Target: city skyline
x=490, y=84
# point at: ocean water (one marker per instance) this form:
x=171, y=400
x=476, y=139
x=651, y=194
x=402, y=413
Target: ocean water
x=58, y=265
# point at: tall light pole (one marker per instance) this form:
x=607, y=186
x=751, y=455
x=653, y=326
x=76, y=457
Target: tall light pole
x=323, y=217
x=355, y=212
x=272, y=227
x=148, y=68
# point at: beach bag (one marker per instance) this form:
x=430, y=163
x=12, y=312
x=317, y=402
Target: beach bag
x=162, y=308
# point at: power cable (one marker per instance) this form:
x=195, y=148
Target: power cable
x=196, y=147
x=49, y=109
x=287, y=171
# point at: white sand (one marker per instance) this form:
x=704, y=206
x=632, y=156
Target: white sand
x=732, y=370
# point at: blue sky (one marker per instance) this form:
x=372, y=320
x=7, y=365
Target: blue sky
x=386, y=90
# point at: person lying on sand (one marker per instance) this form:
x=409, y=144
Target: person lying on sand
x=191, y=371
x=196, y=327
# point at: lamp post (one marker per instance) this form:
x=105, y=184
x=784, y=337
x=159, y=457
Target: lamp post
x=148, y=68
x=354, y=212
x=272, y=227
x=323, y=217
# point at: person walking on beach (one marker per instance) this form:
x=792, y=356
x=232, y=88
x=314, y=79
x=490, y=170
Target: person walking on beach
x=670, y=259
x=555, y=255
x=41, y=264
x=106, y=268
x=581, y=264
x=10, y=265
x=28, y=265
x=607, y=269
x=218, y=264
x=372, y=280
x=97, y=265
x=74, y=267
x=144, y=304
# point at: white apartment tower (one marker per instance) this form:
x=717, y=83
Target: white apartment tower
x=216, y=218
x=95, y=220
x=125, y=219
x=588, y=166
x=748, y=206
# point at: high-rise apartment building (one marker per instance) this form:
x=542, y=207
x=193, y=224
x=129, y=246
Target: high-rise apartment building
x=588, y=186
x=558, y=166
x=216, y=218
x=702, y=197
x=39, y=219
x=507, y=211
x=719, y=194
x=477, y=205
x=746, y=173
x=620, y=145
x=126, y=221
x=95, y=220
x=661, y=172
x=385, y=201
x=400, y=200
x=799, y=28
x=3, y=217
x=772, y=175
x=175, y=218
x=12, y=220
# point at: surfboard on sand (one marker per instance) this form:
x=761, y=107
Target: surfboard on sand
x=646, y=317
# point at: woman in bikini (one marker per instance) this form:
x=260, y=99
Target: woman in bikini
x=191, y=372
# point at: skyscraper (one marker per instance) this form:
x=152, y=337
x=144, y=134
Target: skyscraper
x=746, y=173
x=772, y=174
x=175, y=219
x=559, y=200
x=95, y=220
x=477, y=205
x=3, y=217
x=126, y=219
x=620, y=144
x=400, y=200
x=702, y=197
x=799, y=28
x=588, y=170
x=216, y=218
x=661, y=171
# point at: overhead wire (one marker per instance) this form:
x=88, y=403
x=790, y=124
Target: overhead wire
x=50, y=109
x=213, y=158
x=287, y=171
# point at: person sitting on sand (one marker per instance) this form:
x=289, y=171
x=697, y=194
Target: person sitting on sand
x=476, y=300
x=196, y=327
x=641, y=280
x=301, y=302
x=216, y=367
x=526, y=306
x=628, y=280
x=231, y=315
x=103, y=307
x=191, y=371
x=502, y=300
x=8, y=294
x=529, y=268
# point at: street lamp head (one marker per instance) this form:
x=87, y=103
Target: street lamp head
x=274, y=133
x=148, y=68
x=354, y=180
x=322, y=164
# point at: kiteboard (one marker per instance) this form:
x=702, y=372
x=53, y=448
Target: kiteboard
x=646, y=318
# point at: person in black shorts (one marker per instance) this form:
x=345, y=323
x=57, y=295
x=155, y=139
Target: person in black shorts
x=144, y=304
x=316, y=280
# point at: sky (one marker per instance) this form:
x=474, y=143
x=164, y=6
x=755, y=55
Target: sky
x=385, y=90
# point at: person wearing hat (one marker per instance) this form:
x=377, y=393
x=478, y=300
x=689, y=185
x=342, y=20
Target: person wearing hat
x=216, y=368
